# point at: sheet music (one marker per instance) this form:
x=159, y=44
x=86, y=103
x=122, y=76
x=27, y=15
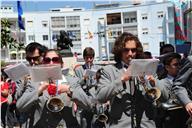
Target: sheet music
x=90, y=72
x=45, y=72
x=17, y=71
x=139, y=67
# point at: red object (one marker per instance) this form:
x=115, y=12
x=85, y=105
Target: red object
x=4, y=86
x=52, y=89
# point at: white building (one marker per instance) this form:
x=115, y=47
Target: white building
x=153, y=23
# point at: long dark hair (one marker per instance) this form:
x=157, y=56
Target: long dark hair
x=120, y=44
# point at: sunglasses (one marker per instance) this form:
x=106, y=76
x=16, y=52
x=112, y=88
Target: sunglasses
x=133, y=50
x=54, y=60
x=36, y=58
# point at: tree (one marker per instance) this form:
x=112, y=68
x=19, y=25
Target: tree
x=7, y=41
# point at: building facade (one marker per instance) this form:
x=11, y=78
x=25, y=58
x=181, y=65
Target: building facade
x=153, y=23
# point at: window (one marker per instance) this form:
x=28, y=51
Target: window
x=58, y=22
x=114, y=18
x=31, y=37
x=44, y=23
x=45, y=37
x=77, y=46
x=131, y=29
x=73, y=21
x=86, y=21
x=144, y=16
x=114, y=32
x=75, y=35
x=30, y=23
x=126, y=20
x=145, y=31
x=160, y=29
x=55, y=35
x=146, y=46
x=160, y=14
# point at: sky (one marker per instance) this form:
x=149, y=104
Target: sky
x=43, y=5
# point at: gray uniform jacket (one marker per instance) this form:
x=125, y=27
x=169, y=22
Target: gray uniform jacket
x=42, y=117
x=182, y=84
x=166, y=87
x=128, y=106
x=79, y=72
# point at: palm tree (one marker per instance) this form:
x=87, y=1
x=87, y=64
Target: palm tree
x=7, y=41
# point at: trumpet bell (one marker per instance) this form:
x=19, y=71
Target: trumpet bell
x=153, y=94
x=55, y=104
x=102, y=118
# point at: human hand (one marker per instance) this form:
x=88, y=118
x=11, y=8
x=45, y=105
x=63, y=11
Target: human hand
x=125, y=77
x=188, y=108
x=151, y=80
x=85, y=77
x=63, y=88
x=43, y=86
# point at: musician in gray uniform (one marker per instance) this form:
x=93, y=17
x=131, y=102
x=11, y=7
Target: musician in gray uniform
x=129, y=107
x=88, y=83
x=171, y=113
x=182, y=84
x=36, y=97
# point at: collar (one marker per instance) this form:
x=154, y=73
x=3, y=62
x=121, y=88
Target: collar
x=169, y=77
x=124, y=65
x=87, y=66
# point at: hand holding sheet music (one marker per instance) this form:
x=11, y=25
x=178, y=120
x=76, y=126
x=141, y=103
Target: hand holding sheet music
x=139, y=67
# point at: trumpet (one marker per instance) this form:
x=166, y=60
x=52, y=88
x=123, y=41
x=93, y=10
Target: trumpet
x=54, y=104
x=101, y=116
x=151, y=93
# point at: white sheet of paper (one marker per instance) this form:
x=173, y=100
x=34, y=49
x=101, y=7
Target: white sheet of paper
x=17, y=71
x=90, y=72
x=45, y=72
x=139, y=67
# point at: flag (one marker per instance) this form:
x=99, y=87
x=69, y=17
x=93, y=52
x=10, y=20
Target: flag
x=179, y=36
x=20, y=13
x=90, y=35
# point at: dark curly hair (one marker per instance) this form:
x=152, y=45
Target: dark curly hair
x=120, y=44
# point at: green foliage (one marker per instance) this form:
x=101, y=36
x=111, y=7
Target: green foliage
x=3, y=63
x=6, y=40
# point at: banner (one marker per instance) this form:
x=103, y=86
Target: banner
x=20, y=13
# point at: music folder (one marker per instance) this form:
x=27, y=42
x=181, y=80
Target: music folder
x=138, y=67
x=17, y=71
x=45, y=72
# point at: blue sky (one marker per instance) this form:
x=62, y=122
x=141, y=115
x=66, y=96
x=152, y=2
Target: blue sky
x=43, y=5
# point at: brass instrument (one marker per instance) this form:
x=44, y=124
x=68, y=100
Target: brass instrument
x=55, y=104
x=101, y=116
x=151, y=93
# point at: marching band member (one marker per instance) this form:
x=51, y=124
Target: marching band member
x=170, y=113
x=88, y=83
x=129, y=108
x=37, y=97
x=182, y=86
